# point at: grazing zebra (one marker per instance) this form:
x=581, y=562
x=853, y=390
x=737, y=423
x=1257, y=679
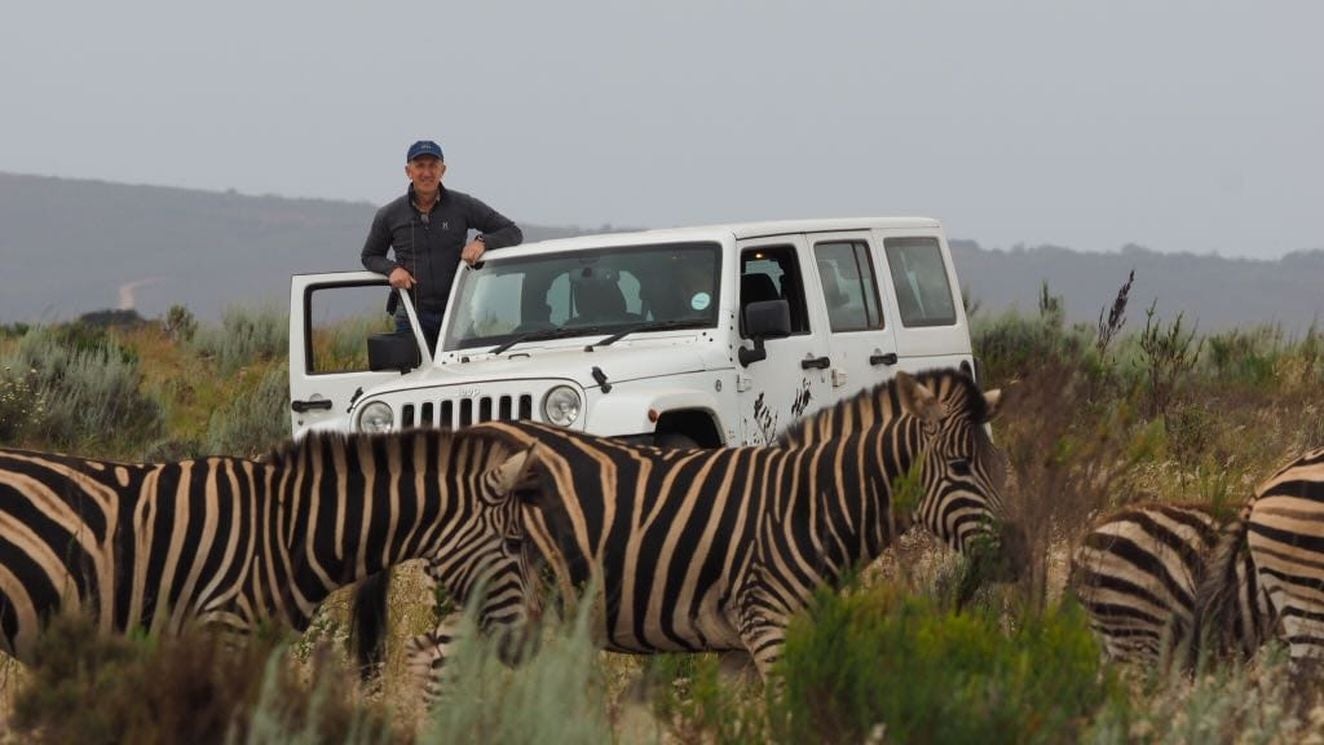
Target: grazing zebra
x=1280, y=533
x=234, y=543
x=697, y=550
x=1137, y=575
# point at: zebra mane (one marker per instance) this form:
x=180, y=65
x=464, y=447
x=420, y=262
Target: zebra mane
x=949, y=384
x=1216, y=597
x=291, y=452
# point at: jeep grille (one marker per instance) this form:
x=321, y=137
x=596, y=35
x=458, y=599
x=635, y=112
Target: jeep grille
x=453, y=413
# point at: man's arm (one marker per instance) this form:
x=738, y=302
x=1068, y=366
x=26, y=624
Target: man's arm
x=498, y=230
x=376, y=245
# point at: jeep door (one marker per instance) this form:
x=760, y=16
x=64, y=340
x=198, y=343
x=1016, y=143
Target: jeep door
x=793, y=379
x=923, y=298
x=331, y=317
x=861, y=340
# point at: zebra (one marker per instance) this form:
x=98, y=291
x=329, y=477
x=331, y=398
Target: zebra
x=696, y=550
x=1137, y=574
x=233, y=544
x=1280, y=533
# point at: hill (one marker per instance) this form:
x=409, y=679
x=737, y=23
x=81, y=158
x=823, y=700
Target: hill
x=72, y=246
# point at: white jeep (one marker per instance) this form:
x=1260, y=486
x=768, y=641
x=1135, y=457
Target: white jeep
x=717, y=335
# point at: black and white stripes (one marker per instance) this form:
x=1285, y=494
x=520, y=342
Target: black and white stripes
x=233, y=543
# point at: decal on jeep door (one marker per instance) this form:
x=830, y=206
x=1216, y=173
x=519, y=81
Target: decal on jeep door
x=766, y=419
x=802, y=399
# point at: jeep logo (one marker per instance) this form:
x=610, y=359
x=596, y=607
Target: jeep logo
x=470, y=391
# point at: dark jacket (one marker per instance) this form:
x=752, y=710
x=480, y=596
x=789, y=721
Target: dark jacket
x=429, y=246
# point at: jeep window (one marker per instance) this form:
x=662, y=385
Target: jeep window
x=772, y=273
x=601, y=290
x=922, y=290
x=339, y=320
x=849, y=289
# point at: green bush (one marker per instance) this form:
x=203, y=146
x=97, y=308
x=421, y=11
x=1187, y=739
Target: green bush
x=255, y=420
x=87, y=391
x=243, y=338
x=871, y=663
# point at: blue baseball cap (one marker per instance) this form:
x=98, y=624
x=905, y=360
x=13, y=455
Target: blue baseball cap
x=424, y=148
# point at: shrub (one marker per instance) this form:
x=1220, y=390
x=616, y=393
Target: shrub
x=555, y=697
x=179, y=324
x=244, y=337
x=876, y=663
x=1239, y=703
x=254, y=420
x=88, y=386
x=21, y=404
x=1168, y=358
x=91, y=688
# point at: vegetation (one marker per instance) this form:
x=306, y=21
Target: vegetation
x=1098, y=415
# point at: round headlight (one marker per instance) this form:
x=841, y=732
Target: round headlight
x=376, y=417
x=561, y=406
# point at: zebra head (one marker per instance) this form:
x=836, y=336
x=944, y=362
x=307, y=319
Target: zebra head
x=961, y=472
x=500, y=562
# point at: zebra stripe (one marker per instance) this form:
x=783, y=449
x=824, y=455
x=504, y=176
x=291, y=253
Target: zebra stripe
x=1138, y=573
x=716, y=549
x=1281, y=534
x=233, y=543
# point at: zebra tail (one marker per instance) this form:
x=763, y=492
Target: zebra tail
x=1216, y=600
x=368, y=618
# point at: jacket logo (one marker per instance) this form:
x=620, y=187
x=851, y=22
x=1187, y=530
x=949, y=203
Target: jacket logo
x=445, y=225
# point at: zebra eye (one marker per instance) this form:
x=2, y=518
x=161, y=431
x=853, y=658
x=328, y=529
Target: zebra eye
x=960, y=467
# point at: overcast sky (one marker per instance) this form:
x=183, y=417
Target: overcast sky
x=1181, y=126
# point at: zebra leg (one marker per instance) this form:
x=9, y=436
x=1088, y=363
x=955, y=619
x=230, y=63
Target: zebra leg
x=426, y=654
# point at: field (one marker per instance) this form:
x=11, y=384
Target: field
x=1096, y=416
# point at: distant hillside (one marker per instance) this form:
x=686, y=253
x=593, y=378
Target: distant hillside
x=1218, y=292
x=68, y=247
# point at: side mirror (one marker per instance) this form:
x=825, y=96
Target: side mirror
x=766, y=319
x=393, y=352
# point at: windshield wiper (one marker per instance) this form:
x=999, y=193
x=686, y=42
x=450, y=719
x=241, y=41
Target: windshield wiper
x=676, y=323
x=545, y=334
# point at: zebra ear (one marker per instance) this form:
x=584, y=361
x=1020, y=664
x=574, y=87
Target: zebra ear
x=917, y=400
x=992, y=404
x=513, y=471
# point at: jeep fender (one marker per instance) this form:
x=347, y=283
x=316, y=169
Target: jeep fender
x=627, y=413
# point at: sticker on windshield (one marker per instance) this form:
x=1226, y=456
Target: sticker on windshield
x=700, y=301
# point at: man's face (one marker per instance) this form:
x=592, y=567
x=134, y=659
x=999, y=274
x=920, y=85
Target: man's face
x=425, y=173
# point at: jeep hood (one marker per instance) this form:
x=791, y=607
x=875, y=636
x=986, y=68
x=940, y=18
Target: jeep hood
x=619, y=364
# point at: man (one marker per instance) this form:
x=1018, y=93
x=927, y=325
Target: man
x=427, y=227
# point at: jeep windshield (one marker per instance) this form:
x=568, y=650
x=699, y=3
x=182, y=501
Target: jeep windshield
x=594, y=292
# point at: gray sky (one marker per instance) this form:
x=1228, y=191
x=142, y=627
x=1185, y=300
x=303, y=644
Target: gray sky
x=1181, y=126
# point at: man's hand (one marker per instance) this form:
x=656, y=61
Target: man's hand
x=473, y=252
x=401, y=279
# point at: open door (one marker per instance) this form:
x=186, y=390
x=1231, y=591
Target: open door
x=332, y=316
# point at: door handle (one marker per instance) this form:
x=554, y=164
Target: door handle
x=883, y=359
x=820, y=363
x=302, y=406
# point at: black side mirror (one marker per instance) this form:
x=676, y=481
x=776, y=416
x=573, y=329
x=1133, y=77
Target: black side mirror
x=393, y=352
x=766, y=319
